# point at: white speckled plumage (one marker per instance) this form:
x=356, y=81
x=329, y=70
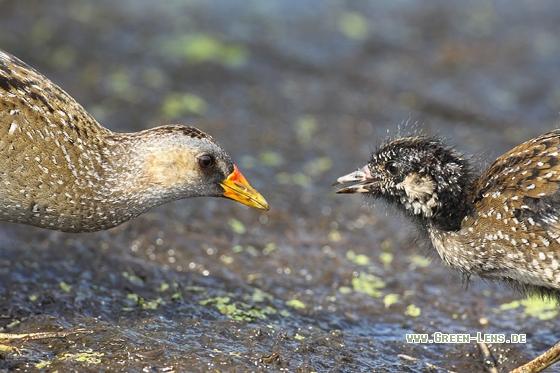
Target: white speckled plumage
x=60, y=169
x=501, y=225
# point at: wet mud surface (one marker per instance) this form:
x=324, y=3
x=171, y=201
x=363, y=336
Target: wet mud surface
x=299, y=93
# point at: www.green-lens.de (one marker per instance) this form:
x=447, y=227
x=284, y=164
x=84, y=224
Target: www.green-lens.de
x=479, y=337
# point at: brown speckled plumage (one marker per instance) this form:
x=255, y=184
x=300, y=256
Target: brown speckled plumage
x=501, y=225
x=513, y=229
x=60, y=169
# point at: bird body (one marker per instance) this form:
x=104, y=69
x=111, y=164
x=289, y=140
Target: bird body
x=501, y=225
x=60, y=169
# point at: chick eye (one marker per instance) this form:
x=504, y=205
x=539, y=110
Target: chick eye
x=206, y=161
x=392, y=167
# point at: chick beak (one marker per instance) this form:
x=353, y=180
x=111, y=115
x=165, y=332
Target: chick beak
x=362, y=176
x=237, y=188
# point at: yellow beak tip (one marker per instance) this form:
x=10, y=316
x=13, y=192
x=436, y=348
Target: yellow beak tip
x=237, y=188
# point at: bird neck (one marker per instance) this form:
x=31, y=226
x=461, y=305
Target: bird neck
x=452, y=211
x=451, y=202
x=144, y=169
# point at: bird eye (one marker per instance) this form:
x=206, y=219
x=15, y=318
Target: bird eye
x=206, y=161
x=392, y=167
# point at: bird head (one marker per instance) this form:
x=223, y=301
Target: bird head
x=183, y=162
x=418, y=174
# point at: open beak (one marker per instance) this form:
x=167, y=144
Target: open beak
x=237, y=188
x=362, y=176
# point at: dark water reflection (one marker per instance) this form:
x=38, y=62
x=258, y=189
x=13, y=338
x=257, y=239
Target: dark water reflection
x=298, y=92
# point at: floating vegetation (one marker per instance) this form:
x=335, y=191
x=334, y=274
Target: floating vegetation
x=535, y=307
x=297, y=178
x=386, y=258
x=419, y=260
x=359, y=259
x=237, y=226
x=354, y=26
x=202, y=48
x=177, y=104
x=413, y=311
x=133, y=279
x=87, y=356
x=317, y=166
x=366, y=283
x=271, y=158
x=137, y=300
x=306, y=127
x=65, y=287
x=295, y=303
x=390, y=299
x=246, y=309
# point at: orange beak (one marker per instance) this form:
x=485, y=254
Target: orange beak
x=237, y=188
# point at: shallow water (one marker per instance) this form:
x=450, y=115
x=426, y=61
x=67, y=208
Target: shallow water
x=298, y=92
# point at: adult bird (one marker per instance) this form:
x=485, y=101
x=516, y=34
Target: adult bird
x=502, y=224
x=60, y=169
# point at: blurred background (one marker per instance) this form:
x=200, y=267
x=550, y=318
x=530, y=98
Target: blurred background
x=299, y=92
